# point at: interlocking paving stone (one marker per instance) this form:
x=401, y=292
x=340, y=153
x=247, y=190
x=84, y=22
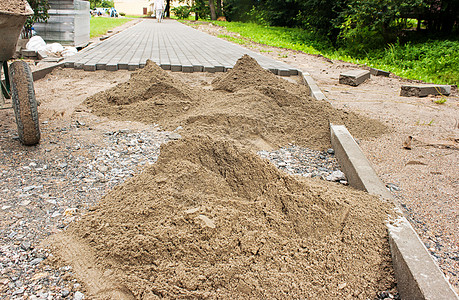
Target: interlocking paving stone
x=354, y=77
x=171, y=45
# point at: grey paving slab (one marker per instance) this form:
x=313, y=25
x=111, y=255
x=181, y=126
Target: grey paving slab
x=173, y=46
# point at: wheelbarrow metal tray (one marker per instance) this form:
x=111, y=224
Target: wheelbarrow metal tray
x=10, y=28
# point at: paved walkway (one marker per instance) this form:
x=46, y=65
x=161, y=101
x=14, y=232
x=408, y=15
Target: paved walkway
x=173, y=46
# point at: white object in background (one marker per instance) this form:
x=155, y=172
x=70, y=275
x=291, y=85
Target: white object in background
x=54, y=48
x=36, y=43
x=69, y=51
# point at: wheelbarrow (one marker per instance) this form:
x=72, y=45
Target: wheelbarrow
x=18, y=81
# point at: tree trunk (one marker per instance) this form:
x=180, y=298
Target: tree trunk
x=219, y=8
x=213, y=15
x=167, y=10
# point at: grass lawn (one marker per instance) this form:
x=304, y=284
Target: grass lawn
x=100, y=25
x=434, y=61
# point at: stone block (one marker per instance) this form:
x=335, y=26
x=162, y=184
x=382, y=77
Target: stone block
x=165, y=66
x=417, y=274
x=42, y=54
x=79, y=65
x=52, y=59
x=424, y=90
x=187, y=69
x=283, y=72
x=29, y=53
x=111, y=67
x=314, y=89
x=176, y=68
x=377, y=72
x=100, y=66
x=354, y=77
x=210, y=69
x=133, y=66
x=219, y=68
x=89, y=67
x=198, y=68
x=123, y=66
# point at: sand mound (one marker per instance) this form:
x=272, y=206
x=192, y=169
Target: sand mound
x=151, y=94
x=248, y=105
x=210, y=219
x=248, y=73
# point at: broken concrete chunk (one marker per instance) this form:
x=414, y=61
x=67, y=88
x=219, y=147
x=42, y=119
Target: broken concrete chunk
x=354, y=77
x=377, y=72
x=425, y=90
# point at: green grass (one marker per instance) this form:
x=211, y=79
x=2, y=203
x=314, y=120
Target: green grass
x=100, y=25
x=442, y=100
x=434, y=61
x=289, y=38
x=233, y=39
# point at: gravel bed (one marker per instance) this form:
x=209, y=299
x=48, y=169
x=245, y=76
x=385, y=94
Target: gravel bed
x=306, y=162
x=44, y=188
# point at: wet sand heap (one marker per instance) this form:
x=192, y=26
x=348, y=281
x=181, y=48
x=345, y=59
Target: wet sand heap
x=247, y=104
x=212, y=219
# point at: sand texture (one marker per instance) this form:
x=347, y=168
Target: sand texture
x=247, y=104
x=213, y=220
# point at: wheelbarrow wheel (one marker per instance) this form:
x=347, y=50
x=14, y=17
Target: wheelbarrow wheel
x=24, y=103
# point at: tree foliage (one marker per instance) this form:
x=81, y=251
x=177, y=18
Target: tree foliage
x=356, y=24
x=101, y=3
x=40, y=14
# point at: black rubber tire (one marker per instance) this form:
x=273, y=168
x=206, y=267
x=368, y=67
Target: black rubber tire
x=24, y=103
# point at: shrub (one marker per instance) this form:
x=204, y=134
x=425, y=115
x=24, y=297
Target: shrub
x=182, y=12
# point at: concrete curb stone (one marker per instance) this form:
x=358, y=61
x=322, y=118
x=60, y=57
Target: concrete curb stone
x=418, y=276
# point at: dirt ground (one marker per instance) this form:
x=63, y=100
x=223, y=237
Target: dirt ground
x=205, y=219
x=427, y=175
x=425, y=178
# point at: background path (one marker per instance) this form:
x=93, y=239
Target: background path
x=173, y=46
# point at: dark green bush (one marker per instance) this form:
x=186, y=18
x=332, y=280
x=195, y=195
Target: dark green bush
x=182, y=12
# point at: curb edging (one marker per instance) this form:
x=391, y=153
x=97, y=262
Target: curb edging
x=41, y=73
x=314, y=89
x=418, y=276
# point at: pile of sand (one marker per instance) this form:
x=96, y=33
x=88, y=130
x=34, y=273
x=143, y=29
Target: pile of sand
x=13, y=6
x=248, y=104
x=211, y=219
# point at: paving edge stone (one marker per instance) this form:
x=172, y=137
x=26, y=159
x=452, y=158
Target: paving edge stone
x=314, y=89
x=41, y=73
x=417, y=274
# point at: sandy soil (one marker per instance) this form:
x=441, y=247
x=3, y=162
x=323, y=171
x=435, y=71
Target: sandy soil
x=238, y=185
x=427, y=175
